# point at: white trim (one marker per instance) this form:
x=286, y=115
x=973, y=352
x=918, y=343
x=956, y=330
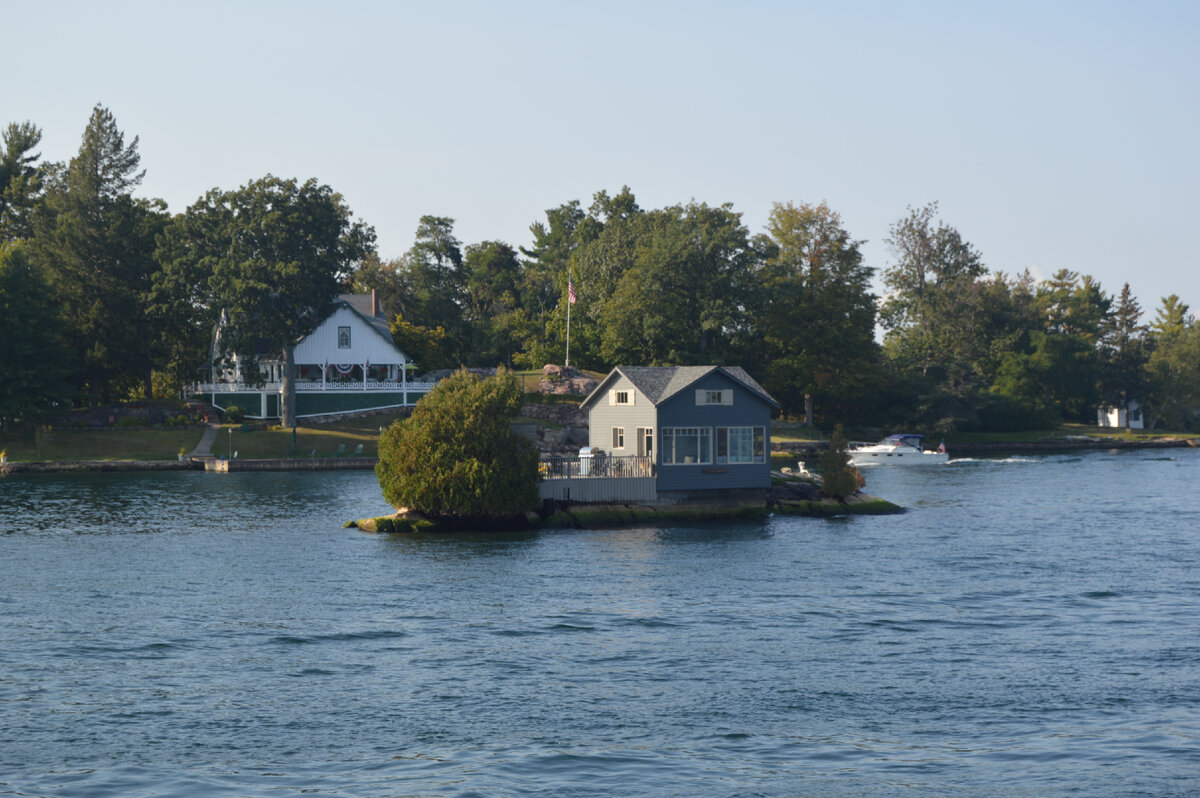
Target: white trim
x=701, y=434
x=615, y=394
x=755, y=459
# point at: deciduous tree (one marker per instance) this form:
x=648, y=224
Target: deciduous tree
x=272, y=255
x=817, y=318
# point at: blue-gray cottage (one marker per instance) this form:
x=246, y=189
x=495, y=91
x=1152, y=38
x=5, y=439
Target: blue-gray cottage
x=706, y=429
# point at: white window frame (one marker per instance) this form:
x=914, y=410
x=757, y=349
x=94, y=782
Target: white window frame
x=668, y=438
x=346, y=330
x=622, y=397
x=618, y=437
x=757, y=437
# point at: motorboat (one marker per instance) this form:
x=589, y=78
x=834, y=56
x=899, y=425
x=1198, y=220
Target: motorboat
x=900, y=449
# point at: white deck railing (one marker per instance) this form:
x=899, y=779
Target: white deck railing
x=599, y=478
x=597, y=465
x=379, y=386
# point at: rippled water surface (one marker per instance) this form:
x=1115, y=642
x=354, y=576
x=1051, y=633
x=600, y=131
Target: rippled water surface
x=1030, y=627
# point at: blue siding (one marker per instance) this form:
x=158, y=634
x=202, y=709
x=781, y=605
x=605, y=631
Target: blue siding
x=748, y=410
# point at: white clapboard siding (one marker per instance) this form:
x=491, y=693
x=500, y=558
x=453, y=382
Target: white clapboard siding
x=622, y=490
x=366, y=345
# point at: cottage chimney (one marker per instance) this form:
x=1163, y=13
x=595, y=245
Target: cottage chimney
x=374, y=304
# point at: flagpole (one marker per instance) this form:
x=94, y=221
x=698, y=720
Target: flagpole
x=569, y=303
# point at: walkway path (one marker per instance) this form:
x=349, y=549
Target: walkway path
x=204, y=447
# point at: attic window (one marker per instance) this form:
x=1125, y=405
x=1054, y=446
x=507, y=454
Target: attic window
x=620, y=398
x=706, y=397
x=343, y=337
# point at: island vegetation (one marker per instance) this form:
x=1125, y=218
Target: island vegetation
x=456, y=459
x=108, y=296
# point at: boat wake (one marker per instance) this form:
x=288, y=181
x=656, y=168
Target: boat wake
x=968, y=460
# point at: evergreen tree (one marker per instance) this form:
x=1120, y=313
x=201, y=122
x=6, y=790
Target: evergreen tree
x=22, y=180
x=34, y=360
x=96, y=242
x=1173, y=367
x=457, y=455
x=1124, y=350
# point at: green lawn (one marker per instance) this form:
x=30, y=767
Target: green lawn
x=782, y=431
x=142, y=444
x=102, y=444
x=324, y=439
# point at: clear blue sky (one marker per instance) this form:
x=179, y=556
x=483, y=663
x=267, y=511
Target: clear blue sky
x=1054, y=135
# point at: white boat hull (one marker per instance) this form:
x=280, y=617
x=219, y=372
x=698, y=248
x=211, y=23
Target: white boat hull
x=910, y=457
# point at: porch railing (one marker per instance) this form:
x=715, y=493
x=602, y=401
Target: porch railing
x=382, y=386
x=596, y=466
x=599, y=479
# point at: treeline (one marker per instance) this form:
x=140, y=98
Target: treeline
x=107, y=296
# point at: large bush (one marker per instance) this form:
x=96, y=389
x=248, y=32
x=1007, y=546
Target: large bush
x=839, y=479
x=457, y=455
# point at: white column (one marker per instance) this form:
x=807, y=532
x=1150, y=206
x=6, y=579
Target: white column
x=404, y=380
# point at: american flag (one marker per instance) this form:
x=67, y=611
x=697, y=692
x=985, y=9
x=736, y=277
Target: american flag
x=570, y=291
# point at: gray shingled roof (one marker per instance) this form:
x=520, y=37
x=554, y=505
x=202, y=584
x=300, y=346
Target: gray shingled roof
x=660, y=383
x=361, y=304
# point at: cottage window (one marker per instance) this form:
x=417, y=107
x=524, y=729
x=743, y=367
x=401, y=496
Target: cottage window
x=686, y=445
x=741, y=444
x=621, y=397
x=618, y=437
x=707, y=397
x=343, y=337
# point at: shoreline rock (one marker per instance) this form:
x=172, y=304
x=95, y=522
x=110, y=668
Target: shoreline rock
x=600, y=516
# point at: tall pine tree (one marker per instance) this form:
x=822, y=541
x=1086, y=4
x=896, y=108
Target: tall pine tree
x=96, y=242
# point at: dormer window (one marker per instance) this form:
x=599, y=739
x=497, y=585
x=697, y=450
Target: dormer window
x=343, y=337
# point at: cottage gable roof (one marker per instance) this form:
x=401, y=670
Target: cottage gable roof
x=368, y=307
x=659, y=383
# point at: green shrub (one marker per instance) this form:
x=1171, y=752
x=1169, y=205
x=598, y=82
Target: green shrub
x=457, y=456
x=839, y=479
x=235, y=414
x=128, y=422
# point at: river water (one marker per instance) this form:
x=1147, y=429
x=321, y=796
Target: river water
x=1030, y=627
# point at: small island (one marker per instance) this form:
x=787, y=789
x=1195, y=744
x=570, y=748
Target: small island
x=458, y=464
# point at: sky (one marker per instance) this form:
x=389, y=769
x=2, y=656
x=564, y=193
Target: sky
x=1052, y=135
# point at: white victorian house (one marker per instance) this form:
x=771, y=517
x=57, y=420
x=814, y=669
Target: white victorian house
x=348, y=363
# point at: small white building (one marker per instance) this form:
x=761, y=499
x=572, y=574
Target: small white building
x=1128, y=416
x=348, y=363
